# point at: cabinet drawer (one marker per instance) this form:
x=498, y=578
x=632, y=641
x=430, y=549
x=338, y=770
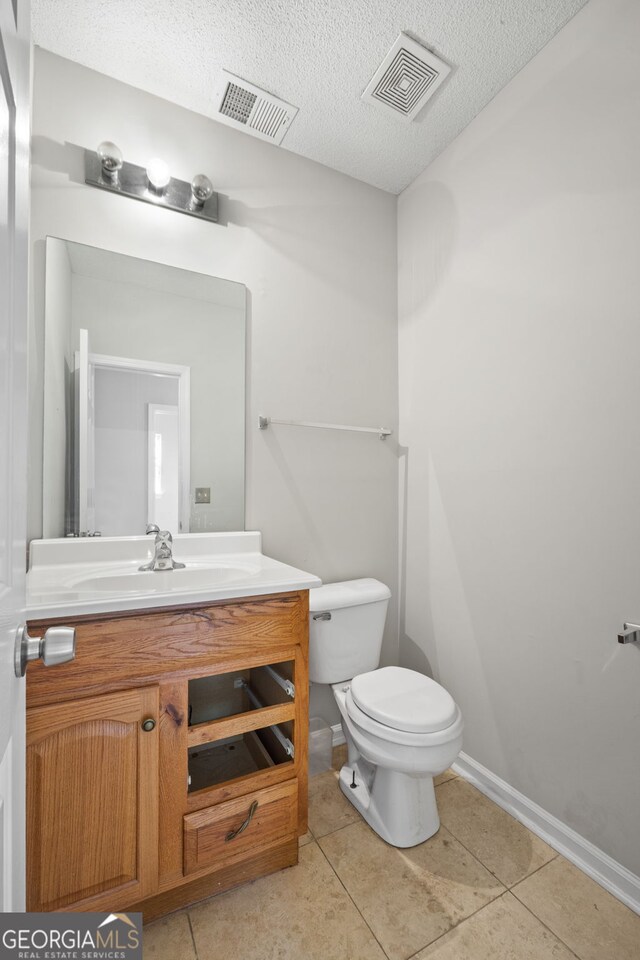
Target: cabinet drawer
x=114, y=653
x=212, y=837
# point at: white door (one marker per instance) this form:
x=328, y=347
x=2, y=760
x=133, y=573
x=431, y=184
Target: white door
x=85, y=511
x=163, y=465
x=14, y=186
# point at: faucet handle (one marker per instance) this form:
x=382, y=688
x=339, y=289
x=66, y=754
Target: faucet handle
x=153, y=528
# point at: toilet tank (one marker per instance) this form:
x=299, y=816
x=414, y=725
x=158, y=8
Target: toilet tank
x=346, y=623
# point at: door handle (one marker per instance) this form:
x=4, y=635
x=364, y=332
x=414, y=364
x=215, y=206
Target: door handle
x=243, y=826
x=57, y=646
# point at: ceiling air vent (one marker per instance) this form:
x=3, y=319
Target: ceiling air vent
x=406, y=78
x=248, y=108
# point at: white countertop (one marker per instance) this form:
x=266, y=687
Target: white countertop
x=74, y=577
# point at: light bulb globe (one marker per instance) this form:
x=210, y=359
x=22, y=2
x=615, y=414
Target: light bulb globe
x=201, y=188
x=110, y=156
x=158, y=173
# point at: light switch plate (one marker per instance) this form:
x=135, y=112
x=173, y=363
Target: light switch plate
x=203, y=494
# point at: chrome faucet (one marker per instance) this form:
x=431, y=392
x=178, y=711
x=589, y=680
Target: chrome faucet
x=163, y=555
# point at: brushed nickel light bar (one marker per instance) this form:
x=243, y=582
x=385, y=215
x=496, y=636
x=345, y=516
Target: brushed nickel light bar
x=106, y=169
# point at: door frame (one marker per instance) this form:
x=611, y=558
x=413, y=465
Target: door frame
x=15, y=83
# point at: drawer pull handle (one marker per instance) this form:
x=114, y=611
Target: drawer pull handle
x=243, y=826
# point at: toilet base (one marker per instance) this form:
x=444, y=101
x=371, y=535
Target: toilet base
x=400, y=808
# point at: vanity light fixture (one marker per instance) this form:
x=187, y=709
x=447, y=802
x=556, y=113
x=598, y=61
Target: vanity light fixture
x=105, y=168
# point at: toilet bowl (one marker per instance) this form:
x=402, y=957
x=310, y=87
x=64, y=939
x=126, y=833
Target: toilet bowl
x=401, y=727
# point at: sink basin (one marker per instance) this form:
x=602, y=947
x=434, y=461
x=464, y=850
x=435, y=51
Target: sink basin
x=193, y=577
x=88, y=575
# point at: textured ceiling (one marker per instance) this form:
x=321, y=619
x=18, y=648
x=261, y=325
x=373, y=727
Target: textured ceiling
x=317, y=54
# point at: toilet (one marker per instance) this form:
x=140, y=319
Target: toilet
x=402, y=728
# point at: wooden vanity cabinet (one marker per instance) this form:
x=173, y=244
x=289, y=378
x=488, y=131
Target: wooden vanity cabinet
x=159, y=766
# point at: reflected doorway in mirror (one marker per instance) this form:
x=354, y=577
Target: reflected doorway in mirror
x=132, y=456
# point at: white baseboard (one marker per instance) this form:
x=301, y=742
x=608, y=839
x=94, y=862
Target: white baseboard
x=594, y=862
x=337, y=735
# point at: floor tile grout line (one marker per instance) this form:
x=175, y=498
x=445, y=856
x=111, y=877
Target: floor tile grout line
x=533, y=872
x=478, y=860
x=501, y=896
x=476, y=856
x=507, y=886
x=497, y=805
x=359, y=912
x=503, y=893
x=193, y=936
x=337, y=830
x=454, y=776
x=545, y=925
x=459, y=923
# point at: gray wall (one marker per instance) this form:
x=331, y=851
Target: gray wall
x=317, y=251
x=520, y=414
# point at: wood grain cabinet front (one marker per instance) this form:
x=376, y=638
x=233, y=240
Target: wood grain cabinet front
x=150, y=748
x=92, y=802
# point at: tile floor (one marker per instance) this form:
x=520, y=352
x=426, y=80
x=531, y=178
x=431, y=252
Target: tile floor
x=484, y=888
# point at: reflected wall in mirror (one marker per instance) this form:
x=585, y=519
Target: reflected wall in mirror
x=144, y=396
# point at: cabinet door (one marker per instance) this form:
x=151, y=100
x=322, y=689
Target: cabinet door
x=92, y=802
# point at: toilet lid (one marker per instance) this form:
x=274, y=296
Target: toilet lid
x=404, y=700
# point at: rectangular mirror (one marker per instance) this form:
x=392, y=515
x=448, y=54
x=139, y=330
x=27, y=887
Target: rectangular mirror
x=144, y=396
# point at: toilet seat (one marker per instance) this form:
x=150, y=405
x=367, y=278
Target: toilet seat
x=403, y=700
x=389, y=734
